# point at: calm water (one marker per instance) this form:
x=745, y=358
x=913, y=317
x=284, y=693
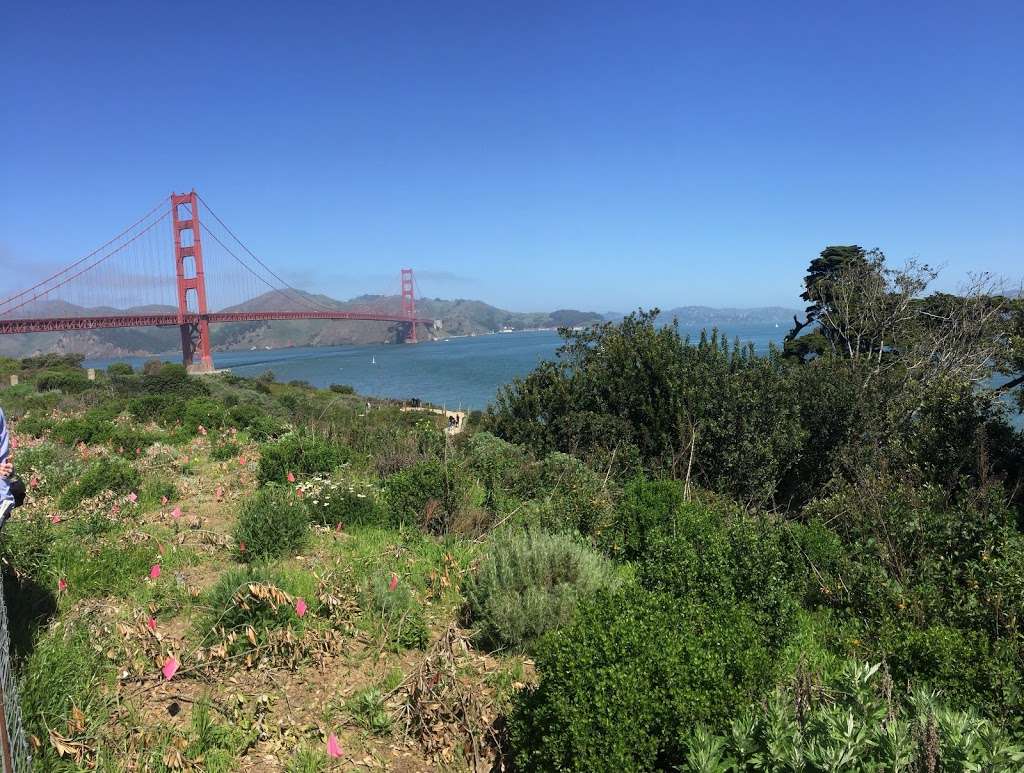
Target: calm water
x=458, y=372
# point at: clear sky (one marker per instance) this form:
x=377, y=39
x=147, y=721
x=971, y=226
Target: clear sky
x=533, y=155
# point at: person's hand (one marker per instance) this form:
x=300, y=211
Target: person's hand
x=6, y=468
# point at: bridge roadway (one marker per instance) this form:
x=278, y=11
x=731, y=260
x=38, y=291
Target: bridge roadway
x=56, y=324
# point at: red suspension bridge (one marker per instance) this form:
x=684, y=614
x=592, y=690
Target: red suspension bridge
x=127, y=283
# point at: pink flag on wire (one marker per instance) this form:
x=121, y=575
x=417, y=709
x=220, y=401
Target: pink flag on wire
x=300, y=607
x=333, y=746
x=154, y=571
x=170, y=667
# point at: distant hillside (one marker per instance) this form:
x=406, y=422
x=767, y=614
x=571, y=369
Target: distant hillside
x=459, y=317
x=707, y=315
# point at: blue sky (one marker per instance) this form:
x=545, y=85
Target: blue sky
x=533, y=155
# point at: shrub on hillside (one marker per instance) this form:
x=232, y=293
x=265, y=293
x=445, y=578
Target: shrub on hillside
x=634, y=669
x=271, y=523
x=393, y=607
x=343, y=389
x=205, y=412
x=498, y=465
x=300, y=454
x=529, y=583
x=428, y=494
x=645, y=509
x=120, y=369
x=104, y=474
x=575, y=497
x=348, y=503
x=71, y=382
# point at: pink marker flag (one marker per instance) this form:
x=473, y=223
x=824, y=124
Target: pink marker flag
x=133, y=497
x=33, y=481
x=151, y=624
x=154, y=571
x=291, y=477
x=176, y=512
x=163, y=500
x=394, y=581
x=241, y=460
x=170, y=667
x=300, y=607
x=333, y=746
x=62, y=585
x=54, y=518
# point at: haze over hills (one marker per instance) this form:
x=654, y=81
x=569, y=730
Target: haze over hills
x=690, y=316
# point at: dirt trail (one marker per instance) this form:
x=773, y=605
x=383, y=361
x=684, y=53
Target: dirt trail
x=451, y=430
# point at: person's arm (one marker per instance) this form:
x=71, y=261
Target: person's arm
x=5, y=441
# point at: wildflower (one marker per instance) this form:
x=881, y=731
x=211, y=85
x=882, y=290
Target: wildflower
x=170, y=667
x=333, y=746
x=300, y=607
x=154, y=571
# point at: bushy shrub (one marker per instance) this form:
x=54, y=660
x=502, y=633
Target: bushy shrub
x=300, y=454
x=202, y=411
x=717, y=556
x=645, y=509
x=120, y=369
x=634, y=668
x=573, y=496
x=223, y=448
x=69, y=382
x=343, y=389
x=348, y=503
x=499, y=466
x=428, y=493
x=271, y=523
x=34, y=425
x=529, y=583
x=396, y=611
x=104, y=474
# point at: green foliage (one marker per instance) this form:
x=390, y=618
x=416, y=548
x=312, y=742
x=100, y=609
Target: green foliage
x=104, y=474
x=428, y=494
x=529, y=583
x=204, y=412
x=65, y=671
x=395, y=612
x=645, y=509
x=34, y=425
x=71, y=382
x=500, y=467
x=633, y=669
x=120, y=369
x=271, y=523
x=223, y=448
x=368, y=710
x=300, y=454
x=348, y=503
x=343, y=389
x=859, y=721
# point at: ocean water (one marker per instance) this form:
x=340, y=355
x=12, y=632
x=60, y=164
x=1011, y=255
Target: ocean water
x=456, y=372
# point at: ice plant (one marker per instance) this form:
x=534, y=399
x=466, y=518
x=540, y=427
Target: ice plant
x=154, y=571
x=170, y=667
x=300, y=607
x=333, y=746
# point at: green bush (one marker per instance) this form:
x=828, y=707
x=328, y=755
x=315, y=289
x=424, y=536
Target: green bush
x=350, y=504
x=120, y=369
x=33, y=426
x=271, y=523
x=67, y=381
x=428, y=493
x=300, y=454
x=202, y=411
x=223, y=448
x=499, y=466
x=104, y=474
x=529, y=583
x=575, y=497
x=619, y=684
x=343, y=389
x=645, y=510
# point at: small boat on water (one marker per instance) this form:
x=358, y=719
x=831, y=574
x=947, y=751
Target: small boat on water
x=373, y=360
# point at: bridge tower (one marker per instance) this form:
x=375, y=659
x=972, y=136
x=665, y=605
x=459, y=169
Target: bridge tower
x=409, y=304
x=188, y=260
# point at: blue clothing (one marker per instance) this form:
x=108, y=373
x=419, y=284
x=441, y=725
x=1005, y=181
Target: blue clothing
x=5, y=451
